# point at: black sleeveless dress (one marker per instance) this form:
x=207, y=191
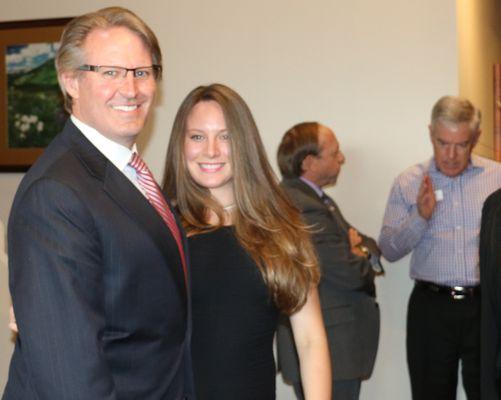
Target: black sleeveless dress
x=234, y=321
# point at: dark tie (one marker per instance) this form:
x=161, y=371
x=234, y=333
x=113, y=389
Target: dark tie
x=157, y=200
x=334, y=209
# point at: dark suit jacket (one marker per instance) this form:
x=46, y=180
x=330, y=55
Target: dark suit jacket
x=96, y=282
x=490, y=280
x=346, y=289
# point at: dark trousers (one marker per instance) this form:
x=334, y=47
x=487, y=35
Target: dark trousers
x=345, y=389
x=442, y=331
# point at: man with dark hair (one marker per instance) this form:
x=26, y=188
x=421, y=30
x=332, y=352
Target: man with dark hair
x=434, y=212
x=97, y=268
x=310, y=159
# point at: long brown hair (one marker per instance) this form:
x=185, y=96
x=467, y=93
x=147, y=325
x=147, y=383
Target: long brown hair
x=267, y=225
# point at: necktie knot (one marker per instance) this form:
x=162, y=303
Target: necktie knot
x=326, y=200
x=138, y=164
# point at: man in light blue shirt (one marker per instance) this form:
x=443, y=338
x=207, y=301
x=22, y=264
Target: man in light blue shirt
x=434, y=211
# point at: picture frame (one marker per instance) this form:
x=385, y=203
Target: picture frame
x=31, y=103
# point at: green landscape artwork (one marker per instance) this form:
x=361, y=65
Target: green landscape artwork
x=35, y=109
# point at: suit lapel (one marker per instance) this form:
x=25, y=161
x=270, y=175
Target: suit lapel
x=336, y=212
x=123, y=192
x=129, y=198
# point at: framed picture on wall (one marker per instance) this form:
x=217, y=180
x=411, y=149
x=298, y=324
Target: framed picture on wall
x=31, y=104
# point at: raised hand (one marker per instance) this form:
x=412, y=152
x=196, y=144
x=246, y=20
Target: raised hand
x=426, y=200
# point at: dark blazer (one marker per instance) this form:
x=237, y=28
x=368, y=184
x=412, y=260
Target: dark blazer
x=490, y=280
x=351, y=314
x=96, y=282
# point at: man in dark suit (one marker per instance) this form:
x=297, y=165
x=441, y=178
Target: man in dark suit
x=309, y=159
x=490, y=279
x=96, y=260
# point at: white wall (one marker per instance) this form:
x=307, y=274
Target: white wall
x=371, y=70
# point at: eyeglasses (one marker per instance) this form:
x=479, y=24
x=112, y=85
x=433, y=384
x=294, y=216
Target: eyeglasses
x=118, y=74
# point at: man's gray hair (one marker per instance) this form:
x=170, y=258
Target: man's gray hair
x=453, y=110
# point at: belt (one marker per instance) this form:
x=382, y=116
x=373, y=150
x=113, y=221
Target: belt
x=455, y=292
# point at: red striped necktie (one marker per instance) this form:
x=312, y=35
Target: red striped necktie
x=157, y=200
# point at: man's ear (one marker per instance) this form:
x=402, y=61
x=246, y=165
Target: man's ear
x=69, y=80
x=307, y=162
x=475, y=137
x=430, y=129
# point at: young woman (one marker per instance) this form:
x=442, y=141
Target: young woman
x=250, y=254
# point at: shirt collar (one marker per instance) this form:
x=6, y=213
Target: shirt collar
x=119, y=155
x=315, y=187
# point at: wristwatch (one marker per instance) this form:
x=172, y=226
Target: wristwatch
x=373, y=259
x=365, y=250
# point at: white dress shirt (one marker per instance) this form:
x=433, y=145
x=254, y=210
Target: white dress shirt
x=118, y=154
